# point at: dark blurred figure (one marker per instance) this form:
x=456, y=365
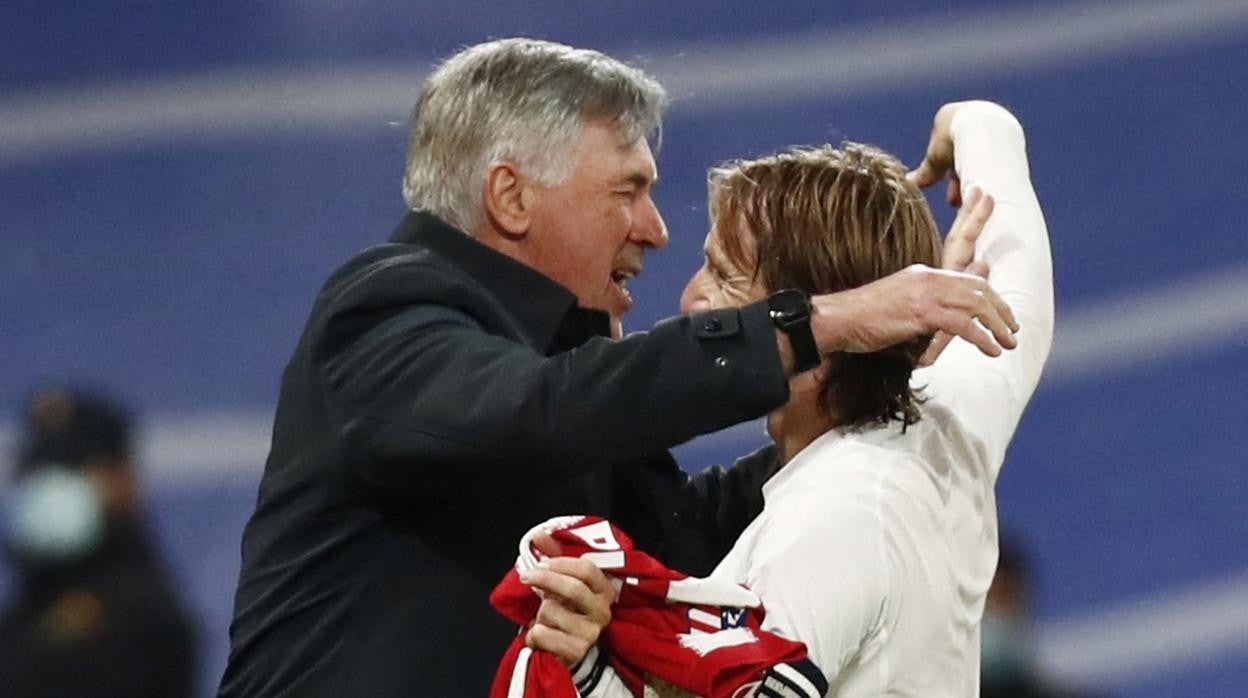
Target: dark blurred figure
x=1008, y=666
x=95, y=615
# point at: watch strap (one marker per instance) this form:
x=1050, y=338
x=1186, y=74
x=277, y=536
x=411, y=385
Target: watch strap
x=805, y=351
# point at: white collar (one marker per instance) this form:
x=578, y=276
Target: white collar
x=789, y=471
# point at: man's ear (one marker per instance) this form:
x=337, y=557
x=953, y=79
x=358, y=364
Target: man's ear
x=509, y=199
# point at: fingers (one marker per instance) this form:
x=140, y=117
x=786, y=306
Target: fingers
x=556, y=615
x=568, y=644
x=915, y=301
x=963, y=325
x=977, y=313
x=959, y=247
x=547, y=545
x=576, y=606
x=577, y=583
x=984, y=303
x=981, y=206
x=959, y=218
x=942, y=339
x=939, y=342
x=998, y=319
x=586, y=572
x=1003, y=312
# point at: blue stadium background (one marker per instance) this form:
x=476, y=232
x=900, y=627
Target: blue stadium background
x=177, y=179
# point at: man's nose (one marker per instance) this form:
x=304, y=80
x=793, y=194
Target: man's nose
x=649, y=229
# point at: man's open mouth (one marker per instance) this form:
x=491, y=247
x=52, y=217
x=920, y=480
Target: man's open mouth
x=621, y=277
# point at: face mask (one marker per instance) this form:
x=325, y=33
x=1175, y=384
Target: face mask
x=1005, y=652
x=55, y=515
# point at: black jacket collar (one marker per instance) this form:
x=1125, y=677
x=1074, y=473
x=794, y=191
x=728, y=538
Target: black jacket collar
x=545, y=309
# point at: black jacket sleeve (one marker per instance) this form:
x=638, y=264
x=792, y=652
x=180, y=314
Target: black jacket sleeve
x=690, y=523
x=720, y=502
x=423, y=393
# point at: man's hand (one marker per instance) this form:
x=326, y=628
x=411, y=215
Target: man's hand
x=949, y=303
x=959, y=247
x=576, y=605
x=915, y=301
x=939, y=157
x=959, y=250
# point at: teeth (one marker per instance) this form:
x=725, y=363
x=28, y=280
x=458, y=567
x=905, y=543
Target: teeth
x=621, y=278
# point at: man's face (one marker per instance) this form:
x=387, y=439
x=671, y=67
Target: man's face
x=593, y=228
x=721, y=282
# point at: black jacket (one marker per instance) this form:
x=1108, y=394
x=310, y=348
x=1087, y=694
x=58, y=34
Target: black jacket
x=443, y=399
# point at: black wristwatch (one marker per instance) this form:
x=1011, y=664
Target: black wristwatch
x=790, y=311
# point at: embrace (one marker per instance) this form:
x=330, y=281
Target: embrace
x=470, y=378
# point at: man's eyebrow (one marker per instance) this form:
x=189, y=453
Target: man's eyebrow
x=641, y=180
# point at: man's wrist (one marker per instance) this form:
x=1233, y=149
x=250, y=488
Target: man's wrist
x=828, y=321
x=790, y=312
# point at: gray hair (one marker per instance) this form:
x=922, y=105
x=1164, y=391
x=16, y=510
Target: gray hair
x=516, y=100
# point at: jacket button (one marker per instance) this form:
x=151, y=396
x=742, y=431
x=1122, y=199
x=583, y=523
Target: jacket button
x=712, y=325
x=721, y=362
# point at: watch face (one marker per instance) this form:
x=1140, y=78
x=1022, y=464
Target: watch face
x=789, y=304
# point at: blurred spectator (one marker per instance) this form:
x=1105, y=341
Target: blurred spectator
x=94, y=614
x=1008, y=665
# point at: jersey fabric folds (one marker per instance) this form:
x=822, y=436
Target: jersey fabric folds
x=703, y=636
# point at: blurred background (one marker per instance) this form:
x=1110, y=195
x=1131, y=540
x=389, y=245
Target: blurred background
x=177, y=179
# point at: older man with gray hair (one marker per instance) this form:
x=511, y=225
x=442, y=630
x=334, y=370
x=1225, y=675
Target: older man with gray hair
x=469, y=378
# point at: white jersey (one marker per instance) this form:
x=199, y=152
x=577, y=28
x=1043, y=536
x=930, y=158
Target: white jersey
x=876, y=547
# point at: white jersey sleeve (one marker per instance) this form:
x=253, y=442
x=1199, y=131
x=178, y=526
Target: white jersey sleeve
x=825, y=574
x=988, y=394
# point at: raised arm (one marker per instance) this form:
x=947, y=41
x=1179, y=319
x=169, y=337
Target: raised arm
x=986, y=145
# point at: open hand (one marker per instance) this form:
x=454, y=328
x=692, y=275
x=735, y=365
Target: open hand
x=915, y=301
